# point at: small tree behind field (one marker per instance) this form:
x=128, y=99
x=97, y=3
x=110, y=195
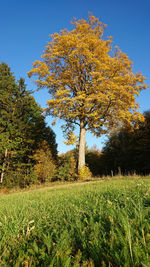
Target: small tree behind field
x=45, y=166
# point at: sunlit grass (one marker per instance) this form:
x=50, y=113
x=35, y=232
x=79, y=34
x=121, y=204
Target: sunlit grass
x=102, y=223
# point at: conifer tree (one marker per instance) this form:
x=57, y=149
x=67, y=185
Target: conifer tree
x=8, y=89
x=22, y=125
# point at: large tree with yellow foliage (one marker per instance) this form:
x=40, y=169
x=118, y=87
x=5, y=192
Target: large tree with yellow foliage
x=91, y=85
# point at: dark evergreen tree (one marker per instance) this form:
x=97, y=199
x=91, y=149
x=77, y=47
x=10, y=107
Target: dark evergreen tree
x=22, y=127
x=9, y=138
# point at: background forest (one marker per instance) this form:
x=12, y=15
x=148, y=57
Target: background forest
x=28, y=149
x=24, y=135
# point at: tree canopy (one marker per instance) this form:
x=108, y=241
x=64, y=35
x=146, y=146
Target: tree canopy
x=91, y=84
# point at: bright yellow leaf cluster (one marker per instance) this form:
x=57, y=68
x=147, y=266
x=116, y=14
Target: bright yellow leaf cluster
x=87, y=80
x=71, y=139
x=84, y=173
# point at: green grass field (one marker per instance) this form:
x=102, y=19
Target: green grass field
x=102, y=223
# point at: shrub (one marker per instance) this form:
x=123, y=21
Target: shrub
x=45, y=166
x=21, y=177
x=67, y=168
x=84, y=173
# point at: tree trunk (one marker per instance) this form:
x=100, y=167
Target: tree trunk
x=81, y=157
x=3, y=168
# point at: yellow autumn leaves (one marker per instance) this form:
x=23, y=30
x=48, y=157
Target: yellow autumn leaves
x=87, y=80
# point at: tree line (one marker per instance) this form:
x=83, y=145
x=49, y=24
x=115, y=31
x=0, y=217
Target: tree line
x=22, y=131
x=128, y=151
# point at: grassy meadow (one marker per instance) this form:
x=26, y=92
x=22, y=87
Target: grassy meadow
x=101, y=223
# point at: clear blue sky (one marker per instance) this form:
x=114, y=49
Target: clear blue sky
x=25, y=26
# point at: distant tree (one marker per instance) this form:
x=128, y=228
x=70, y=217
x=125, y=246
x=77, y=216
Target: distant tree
x=90, y=85
x=31, y=123
x=93, y=160
x=119, y=153
x=143, y=145
x=45, y=165
x=22, y=125
x=128, y=151
x=67, y=165
x=8, y=133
